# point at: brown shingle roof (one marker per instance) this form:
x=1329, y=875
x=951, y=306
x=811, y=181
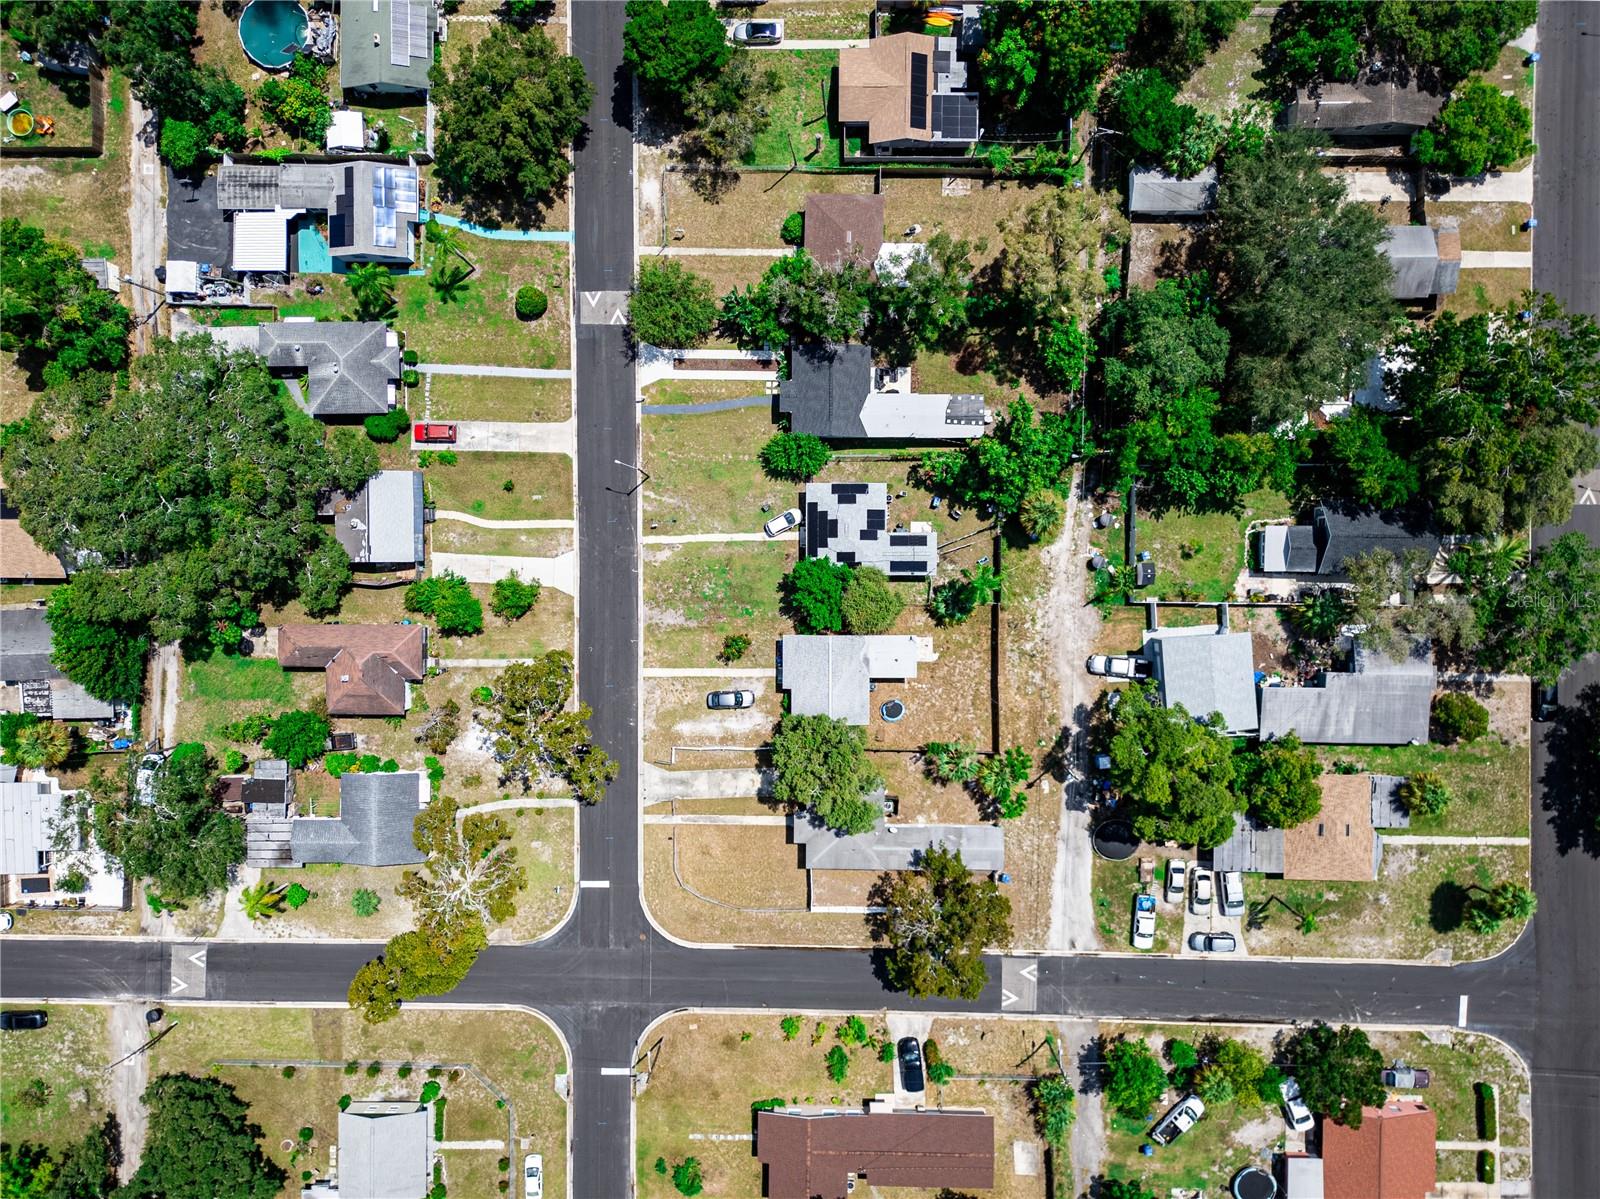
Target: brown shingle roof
x=1338, y=843
x=22, y=559
x=809, y=1155
x=368, y=665
x=1391, y=1156
x=840, y=228
x=875, y=86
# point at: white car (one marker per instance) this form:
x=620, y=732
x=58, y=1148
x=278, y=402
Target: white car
x=1118, y=667
x=1200, y=893
x=1144, y=921
x=1295, y=1112
x=144, y=779
x=1177, y=880
x=533, y=1176
x=782, y=523
x=1178, y=1121
x=1232, y=886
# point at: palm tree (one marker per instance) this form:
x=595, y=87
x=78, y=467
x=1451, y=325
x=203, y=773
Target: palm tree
x=448, y=280
x=373, y=290
x=45, y=745
x=1497, y=557
x=262, y=901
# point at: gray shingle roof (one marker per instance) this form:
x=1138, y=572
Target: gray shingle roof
x=1206, y=671
x=1288, y=549
x=386, y=46
x=385, y=1150
x=25, y=646
x=1153, y=192
x=350, y=365
x=374, y=825
x=896, y=847
x=1367, y=108
x=1381, y=702
x=830, y=676
x=382, y=523
x=1342, y=533
x=830, y=393
x=1253, y=848
x=849, y=523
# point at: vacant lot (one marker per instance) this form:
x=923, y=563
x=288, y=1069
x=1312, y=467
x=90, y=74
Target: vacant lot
x=813, y=18
x=70, y=1055
x=469, y=397
x=697, y=595
x=704, y=475
x=517, y=1053
x=458, y=537
x=675, y=714
x=749, y=213
x=221, y=689
x=804, y=109
x=964, y=208
x=540, y=486
x=549, y=626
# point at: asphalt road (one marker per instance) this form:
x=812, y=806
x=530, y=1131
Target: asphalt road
x=607, y=973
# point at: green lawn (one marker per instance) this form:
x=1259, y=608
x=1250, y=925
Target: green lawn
x=62, y=98
x=704, y=475
x=1198, y=556
x=1115, y=885
x=803, y=107
x=549, y=626
x=469, y=397
x=221, y=689
x=541, y=486
x=70, y=1054
x=1224, y=80
x=1487, y=289
x=1488, y=777
x=695, y=595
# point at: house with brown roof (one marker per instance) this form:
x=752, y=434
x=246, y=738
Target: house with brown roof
x=1340, y=843
x=840, y=229
x=826, y=1154
x=1392, y=1155
x=370, y=667
x=907, y=94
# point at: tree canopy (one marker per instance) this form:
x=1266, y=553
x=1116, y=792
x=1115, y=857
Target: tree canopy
x=813, y=594
x=1479, y=129
x=869, y=604
x=1338, y=1071
x=1175, y=36
x=936, y=923
x=198, y=481
x=57, y=320
x=201, y=1144
x=1142, y=105
x=1306, y=295
x=1175, y=774
x=471, y=873
x=794, y=456
x=1541, y=620
x=1042, y=61
x=1023, y=454
x=537, y=736
x=671, y=47
x=1280, y=782
x=105, y=659
x=820, y=763
x=798, y=298
x=508, y=112
x=1134, y=1079
x=924, y=307
x=671, y=307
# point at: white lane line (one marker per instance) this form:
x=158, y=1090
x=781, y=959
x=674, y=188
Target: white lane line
x=610, y=1071
x=1461, y=1018
x=595, y=882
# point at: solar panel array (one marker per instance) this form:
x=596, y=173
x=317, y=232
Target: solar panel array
x=919, y=91
x=955, y=117
x=394, y=191
x=408, y=32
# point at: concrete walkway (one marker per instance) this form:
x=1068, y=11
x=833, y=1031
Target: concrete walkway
x=1497, y=260
x=717, y=252
x=470, y=1145
x=654, y=363
x=494, y=372
x=1471, y=1146
x=657, y=784
x=715, y=538
x=560, y=572
x=489, y=663
x=697, y=818
x=527, y=801
x=761, y=401
x=1403, y=840
x=467, y=518
x=514, y=437
x=719, y=672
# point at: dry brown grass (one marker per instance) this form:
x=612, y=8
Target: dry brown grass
x=468, y=397
x=1491, y=226
x=1486, y=290
x=675, y=713
x=704, y=475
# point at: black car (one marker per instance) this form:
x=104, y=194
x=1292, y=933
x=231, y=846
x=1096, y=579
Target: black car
x=22, y=1021
x=1544, y=703
x=911, y=1065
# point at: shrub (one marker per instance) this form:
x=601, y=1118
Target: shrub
x=869, y=605
x=306, y=1133
x=351, y=1067
x=387, y=426
x=297, y=737
x=405, y=1072
x=838, y=1063
x=767, y=1105
x=1425, y=794
x=794, y=456
x=365, y=902
x=531, y=303
x=411, y=358
x=411, y=378
x=886, y=1052
x=733, y=648
x=449, y=600
x=939, y=1070
x=374, y=1069
x=1459, y=717
x=344, y=1102
x=438, y=1118
x=852, y=1030
x=1182, y=1054
x=686, y=1177
x=512, y=598
x=1053, y=1111
x=250, y=729
x=793, y=230
x=661, y=1165
x=296, y=896
x=1488, y=1117
x=813, y=594
x=288, y=1071
x=181, y=143
x=1486, y=1170
x=430, y=1090
x=232, y=761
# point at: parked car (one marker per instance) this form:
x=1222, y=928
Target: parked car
x=144, y=778
x=533, y=1176
x=1144, y=921
x=23, y=1021
x=1544, y=703
x=1295, y=1112
x=1178, y=1121
x=757, y=33
x=438, y=434
x=1212, y=942
x=910, y=1053
x=1406, y=1078
x=719, y=700
x=1118, y=667
x=1177, y=879
x=782, y=523
x=1200, y=892
x=1232, y=893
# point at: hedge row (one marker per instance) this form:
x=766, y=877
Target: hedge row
x=1488, y=1116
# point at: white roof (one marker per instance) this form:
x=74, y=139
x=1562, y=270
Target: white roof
x=261, y=240
x=1302, y=1176
x=183, y=277
x=347, y=131
x=26, y=812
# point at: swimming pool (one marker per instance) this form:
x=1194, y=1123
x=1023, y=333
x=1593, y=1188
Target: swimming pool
x=272, y=32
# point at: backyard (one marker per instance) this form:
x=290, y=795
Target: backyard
x=223, y=688
x=804, y=109
x=1197, y=556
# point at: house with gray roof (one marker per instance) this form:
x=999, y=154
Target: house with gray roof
x=849, y=523
x=1206, y=669
x=834, y=392
x=351, y=368
x=1335, y=534
x=1379, y=701
x=1424, y=260
x=1158, y=195
x=386, y=46
x=25, y=641
x=386, y=1151
x=1368, y=108
x=374, y=824
x=833, y=676
x=372, y=208
x=895, y=846
x=381, y=524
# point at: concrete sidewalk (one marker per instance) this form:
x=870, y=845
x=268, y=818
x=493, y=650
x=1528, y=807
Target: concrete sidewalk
x=702, y=818
x=493, y=372
x=467, y=518
x=560, y=572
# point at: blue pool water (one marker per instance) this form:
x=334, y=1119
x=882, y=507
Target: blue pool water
x=316, y=258
x=271, y=31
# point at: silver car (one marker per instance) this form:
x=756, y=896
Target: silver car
x=1232, y=893
x=1200, y=893
x=757, y=33
x=726, y=700
x=1177, y=880
x=1295, y=1112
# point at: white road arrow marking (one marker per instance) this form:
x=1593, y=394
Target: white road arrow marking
x=617, y=318
x=199, y=959
x=1587, y=497
x=178, y=985
x=592, y=298
x=1006, y=998
x=1031, y=973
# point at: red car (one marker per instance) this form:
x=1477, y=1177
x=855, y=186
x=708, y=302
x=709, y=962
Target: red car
x=434, y=433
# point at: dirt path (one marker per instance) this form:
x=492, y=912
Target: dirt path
x=169, y=701
x=1073, y=631
x=146, y=221
x=128, y=1081
x=1088, y=1138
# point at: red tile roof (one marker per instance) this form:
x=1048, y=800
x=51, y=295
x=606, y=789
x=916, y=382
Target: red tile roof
x=1391, y=1156
x=808, y=1156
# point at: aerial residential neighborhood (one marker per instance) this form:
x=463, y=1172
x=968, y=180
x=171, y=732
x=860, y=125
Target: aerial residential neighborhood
x=799, y=599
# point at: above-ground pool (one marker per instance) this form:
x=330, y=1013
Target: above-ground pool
x=272, y=32
x=1114, y=840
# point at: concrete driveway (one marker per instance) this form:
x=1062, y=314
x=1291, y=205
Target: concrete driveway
x=513, y=437
x=560, y=572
